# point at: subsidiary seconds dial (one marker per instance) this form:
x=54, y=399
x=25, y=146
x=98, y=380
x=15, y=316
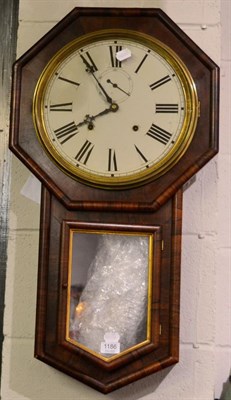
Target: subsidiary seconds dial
x=115, y=108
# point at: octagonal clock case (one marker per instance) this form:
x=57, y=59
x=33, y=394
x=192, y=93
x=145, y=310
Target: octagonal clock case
x=114, y=110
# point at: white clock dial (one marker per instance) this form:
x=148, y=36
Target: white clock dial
x=115, y=108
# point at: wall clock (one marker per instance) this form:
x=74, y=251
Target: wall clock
x=196, y=79
x=113, y=110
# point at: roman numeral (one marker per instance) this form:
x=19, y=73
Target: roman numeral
x=68, y=81
x=112, y=163
x=160, y=82
x=85, y=152
x=89, y=62
x=66, y=131
x=167, y=108
x=113, y=50
x=141, y=63
x=141, y=154
x=61, y=107
x=159, y=134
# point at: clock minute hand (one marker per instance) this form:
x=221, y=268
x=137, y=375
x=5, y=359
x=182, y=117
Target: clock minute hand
x=91, y=71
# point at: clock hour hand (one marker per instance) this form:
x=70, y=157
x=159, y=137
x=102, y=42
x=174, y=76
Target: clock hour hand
x=113, y=108
x=90, y=69
x=88, y=120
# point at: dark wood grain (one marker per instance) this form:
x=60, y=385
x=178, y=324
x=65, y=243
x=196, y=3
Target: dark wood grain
x=51, y=344
x=24, y=142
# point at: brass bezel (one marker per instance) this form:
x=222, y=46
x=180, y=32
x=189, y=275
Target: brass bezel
x=169, y=160
x=149, y=292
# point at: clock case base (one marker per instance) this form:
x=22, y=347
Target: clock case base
x=51, y=345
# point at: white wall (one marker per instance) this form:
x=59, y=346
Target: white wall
x=205, y=349
x=223, y=253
